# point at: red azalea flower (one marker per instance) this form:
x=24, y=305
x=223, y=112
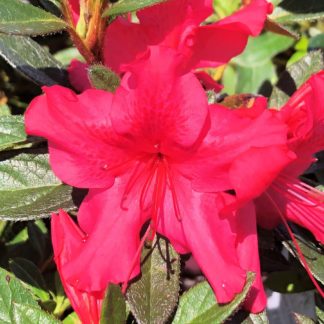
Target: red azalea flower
x=177, y=24
x=288, y=195
x=86, y=305
x=146, y=154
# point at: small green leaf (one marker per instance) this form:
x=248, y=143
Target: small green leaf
x=32, y=60
x=29, y=274
x=17, y=304
x=114, y=306
x=19, y=18
x=260, y=318
x=198, y=305
x=294, y=77
x=154, y=296
x=302, y=319
x=12, y=131
x=30, y=190
x=124, y=6
x=103, y=78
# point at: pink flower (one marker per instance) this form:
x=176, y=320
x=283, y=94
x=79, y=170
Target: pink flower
x=86, y=304
x=147, y=154
x=288, y=195
x=177, y=24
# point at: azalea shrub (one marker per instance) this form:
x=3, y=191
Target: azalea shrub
x=160, y=161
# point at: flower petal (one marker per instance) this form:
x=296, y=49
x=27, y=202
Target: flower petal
x=81, y=140
x=113, y=238
x=248, y=254
x=229, y=34
x=169, y=113
x=66, y=237
x=204, y=233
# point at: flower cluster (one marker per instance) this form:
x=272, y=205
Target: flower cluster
x=156, y=156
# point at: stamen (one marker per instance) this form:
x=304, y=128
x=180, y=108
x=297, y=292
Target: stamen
x=299, y=252
x=173, y=193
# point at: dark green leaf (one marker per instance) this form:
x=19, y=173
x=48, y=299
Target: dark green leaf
x=19, y=18
x=32, y=60
x=290, y=11
x=12, y=131
x=154, y=296
x=313, y=255
x=124, y=6
x=29, y=274
x=302, y=319
x=294, y=77
x=103, y=78
x=113, y=307
x=29, y=189
x=17, y=304
x=38, y=239
x=198, y=305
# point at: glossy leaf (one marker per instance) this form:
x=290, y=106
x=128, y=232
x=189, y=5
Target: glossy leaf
x=124, y=6
x=17, y=304
x=199, y=306
x=113, y=307
x=12, y=131
x=29, y=189
x=294, y=77
x=19, y=18
x=290, y=11
x=32, y=60
x=154, y=296
x=103, y=78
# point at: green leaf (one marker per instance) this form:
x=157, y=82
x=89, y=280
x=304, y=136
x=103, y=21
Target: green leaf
x=198, y=305
x=254, y=65
x=29, y=189
x=302, y=319
x=17, y=304
x=124, y=6
x=32, y=60
x=114, y=306
x=38, y=239
x=154, y=296
x=260, y=318
x=313, y=255
x=12, y=131
x=19, y=18
x=29, y=274
x=30, y=315
x=294, y=77
x=290, y=11
x=103, y=78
